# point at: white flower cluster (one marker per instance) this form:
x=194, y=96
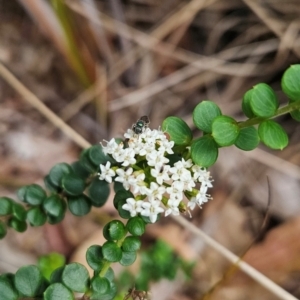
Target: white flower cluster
x=161, y=187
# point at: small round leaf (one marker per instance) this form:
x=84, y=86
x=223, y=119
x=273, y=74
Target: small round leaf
x=3, y=230
x=36, y=216
x=178, y=130
x=34, y=194
x=296, y=113
x=290, y=82
x=76, y=277
x=94, y=257
x=98, y=191
x=246, y=104
x=111, y=251
x=131, y=243
x=114, y=230
x=225, y=130
x=86, y=162
x=204, y=151
x=21, y=193
x=204, y=114
x=6, y=205
x=128, y=258
x=7, y=291
x=49, y=263
x=122, y=196
x=58, y=291
x=28, y=280
x=264, y=102
x=80, y=170
x=56, y=275
x=18, y=211
x=248, y=139
x=54, y=206
x=96, y=155
x=273, y=135
x=73, y=184
x=100, y=285
x=109, y=295
x=80, y=205
x=50, y=186
x=58, y=172
x=136, y=226
x=17, y=225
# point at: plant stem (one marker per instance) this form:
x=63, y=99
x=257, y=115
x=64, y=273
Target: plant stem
x=281, y=111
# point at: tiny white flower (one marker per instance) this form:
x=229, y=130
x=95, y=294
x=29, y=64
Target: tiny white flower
x=159, y=175
x=155, y=192
x=166, y=146
x=202, y=175
x=139, y=185
x=129, y=134
x=133, y=206
x=110, y=147
x=151, y=209
x=128, y=157
x=125, y=177
x=175, y=190
x=156, y=159
x=106, y=172
x=173, y=207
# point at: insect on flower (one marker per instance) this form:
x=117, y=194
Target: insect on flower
x=141, y=124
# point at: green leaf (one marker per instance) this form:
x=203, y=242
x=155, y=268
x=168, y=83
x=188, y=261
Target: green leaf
x=96, y=155
x=7, y=291
x=273, y=135
x=100, y=285
x=98, y=191
x=264, y=102
x=36, y=216
x=131, y=243
x=122, y=196
x=18, y=211
x=114, y=230
x=80, y=170
x=136, y=226
x=76, y=277
x=248, y=139
x=128, y=258
x=95, y=258
x=56, y=275
x=73, y=184
x=28, y=279
x=58, y=172
x=225, y=130
x=80, y=205
x=21, y=193
x=57, y=291
x=49, y=263
x=3, y=230
x=204, y=114
x=17, y=225
x=109, y=295
x=124, y=214
x=110, y=275
x=54, y=206
x=50, y=186
x=111, y=251
x=246, y=104
x=86, y=162
x=290, y=82
x=204, y=151
x=34, y=194
x=6, y=205
x=178, y=130
x=296, y=113
x=118, y=186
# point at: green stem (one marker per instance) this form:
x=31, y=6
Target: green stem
x=281, y=111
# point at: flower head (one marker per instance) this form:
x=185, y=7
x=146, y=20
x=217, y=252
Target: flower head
x=142, y=164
